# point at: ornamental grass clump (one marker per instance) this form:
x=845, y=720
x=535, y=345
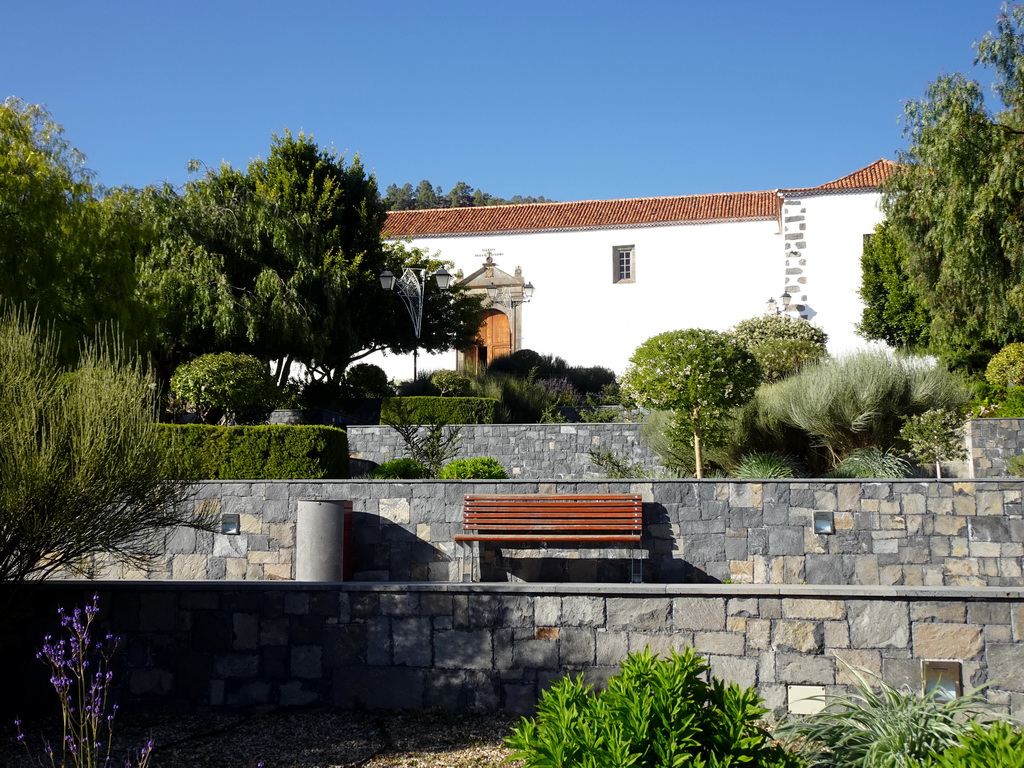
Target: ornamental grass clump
x=81, y=676
x=654, y=712
x=878, y=726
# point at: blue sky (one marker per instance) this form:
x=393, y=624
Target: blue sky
x=570, y=100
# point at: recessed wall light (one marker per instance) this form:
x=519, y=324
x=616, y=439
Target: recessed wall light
x=943, y=678
x=230, y=524
x=823, y=522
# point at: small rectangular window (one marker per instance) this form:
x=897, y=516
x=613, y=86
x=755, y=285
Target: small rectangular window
x=623, y=264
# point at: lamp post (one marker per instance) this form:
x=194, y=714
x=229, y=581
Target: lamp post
x=412, y=290
x=506, y=298
x=772, y=306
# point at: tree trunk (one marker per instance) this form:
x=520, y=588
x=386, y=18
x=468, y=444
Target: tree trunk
x=698, y=459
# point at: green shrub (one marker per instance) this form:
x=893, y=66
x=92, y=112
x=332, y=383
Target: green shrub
x=278, y=452
x=522, y=400
x=887, y=728
x=756, y=466
x=654, y=712
x=781, y=344
x=450, y=383
x=997, y=745
x=484, y=468
x=364, y=380
x=433, y=410
x=845, y=403
x=237, y=386
x=526, y=362
x=592, y=380
x=935, y=436
x=399, y=469
x=872, y=463
x=1006, y=368
x=1015, y=466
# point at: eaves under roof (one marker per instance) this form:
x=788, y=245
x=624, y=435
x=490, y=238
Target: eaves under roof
x=609, y=214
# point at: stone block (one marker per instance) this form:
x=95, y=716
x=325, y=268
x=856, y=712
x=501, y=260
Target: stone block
x=948, y=641
x=878, y=624
x=458, y=649
x=801, y=668
x=639, y=614
x=723, y=643
x=306, y=662
x=798, y=636
x=696, y=613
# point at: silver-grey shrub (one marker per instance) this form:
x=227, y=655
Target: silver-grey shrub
x=855, y=401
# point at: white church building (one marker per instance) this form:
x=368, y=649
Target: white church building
x=609, y=274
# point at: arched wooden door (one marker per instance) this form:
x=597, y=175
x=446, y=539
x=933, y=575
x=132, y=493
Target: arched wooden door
x=494, y=340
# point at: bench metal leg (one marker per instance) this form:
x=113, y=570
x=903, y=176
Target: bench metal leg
x=470, y=560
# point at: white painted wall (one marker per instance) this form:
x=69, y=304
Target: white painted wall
x=687, y=276
x=836, y=228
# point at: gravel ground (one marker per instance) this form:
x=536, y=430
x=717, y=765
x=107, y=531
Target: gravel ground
x=310, y=740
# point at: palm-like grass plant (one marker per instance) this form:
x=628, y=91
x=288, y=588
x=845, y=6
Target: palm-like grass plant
x=771, y=465
x=872, y=463
x=879, y=726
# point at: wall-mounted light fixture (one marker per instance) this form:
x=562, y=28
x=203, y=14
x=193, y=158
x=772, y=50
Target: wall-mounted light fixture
x=823, y=522
x=944, y=678
x=230, y=524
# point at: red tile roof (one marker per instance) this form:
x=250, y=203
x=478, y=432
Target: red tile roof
x=597, y=214
x=866, y=178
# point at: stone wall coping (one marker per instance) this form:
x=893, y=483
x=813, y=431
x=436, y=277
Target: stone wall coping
x=802, y=591
x=619, y=481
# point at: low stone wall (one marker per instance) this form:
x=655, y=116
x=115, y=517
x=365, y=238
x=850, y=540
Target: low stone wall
x=910, y=532
x=197, y=647
x=527, y=451
x=991, y=442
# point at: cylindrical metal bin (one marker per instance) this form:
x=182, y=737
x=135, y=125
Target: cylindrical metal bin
x=320, y=539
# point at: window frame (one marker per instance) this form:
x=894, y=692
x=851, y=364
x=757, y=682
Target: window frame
x=618, y=252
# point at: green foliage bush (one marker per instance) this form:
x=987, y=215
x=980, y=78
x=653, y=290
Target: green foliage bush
x=654, y=712
x=995, y=745
x=399, y=469
x=525, y=362
x=450, y=383
x=239, y=386
x=592, y=380
x=1015, y=466
x=883, y=728
x=757, y=330
x=483, y=468
x=1006, y=368
x=438, y=410
x=845, y=403
x=771, y=465
x=364, y=380
x=872, y=463
x=935, y=436
x=274, y=452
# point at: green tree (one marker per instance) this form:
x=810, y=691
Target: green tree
x=282, y=262
x=427, y=196
x=398, y=198
x=781, y=344
x=698, y=374
x=83, y=468
x=60, y=248
x=954, y=202
x=461, y=195
x=893, y=313
x=935, y=435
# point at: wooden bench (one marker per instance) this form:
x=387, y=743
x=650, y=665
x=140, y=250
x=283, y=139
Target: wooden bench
x=599, y=519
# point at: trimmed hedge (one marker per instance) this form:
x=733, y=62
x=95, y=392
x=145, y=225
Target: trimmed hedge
x=438, y=410
x=273, y=452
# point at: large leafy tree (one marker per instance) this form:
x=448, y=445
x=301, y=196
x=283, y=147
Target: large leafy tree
x=61, y=252
x=83, y=467
x=893, y=311
x=282, y=262
x=956, y=202
x=698, y=374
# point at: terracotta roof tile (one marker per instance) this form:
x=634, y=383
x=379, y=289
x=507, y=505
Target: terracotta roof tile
x=866, y=178
x=594, y=214
x=583, y=215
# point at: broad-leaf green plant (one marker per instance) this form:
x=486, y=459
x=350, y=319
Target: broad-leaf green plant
x=995, y=745
x=654, y=712
x=238, y=387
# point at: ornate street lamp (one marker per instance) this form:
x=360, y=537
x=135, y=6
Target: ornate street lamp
x=412, y=289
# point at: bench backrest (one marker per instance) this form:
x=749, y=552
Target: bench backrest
x=563, y=512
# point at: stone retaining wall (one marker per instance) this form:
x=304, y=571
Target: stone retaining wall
x=197, y=647
x=910, y=532
x=991, y=442
x=525, y=450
